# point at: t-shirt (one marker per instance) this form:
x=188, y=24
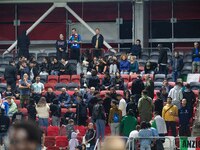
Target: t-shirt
x=37, y=87
x=122, y=106
x=24, y=91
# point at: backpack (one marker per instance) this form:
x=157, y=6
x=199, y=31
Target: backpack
x=116, y=118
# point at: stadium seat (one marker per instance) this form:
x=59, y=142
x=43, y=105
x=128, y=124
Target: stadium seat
x=51, y=54
x=195, y=85
x=43, y=78
x=72, y=86
x=63, y=111
x=17, y=102
x=81, y=129
x=157, y=85
x=49, y=141
x=129, y=85
x=75, y=79
x=159, y=77
x=64, y=79
x=169, y=78
x=8, y=57
x=52, y=131
x=61, y=142
x=49, y=85
x=103, y=93
x=120, y=92
x=154, y=56
x=57, y=92
x=144, y=56
x=145, y=75
x=24, y=111
x=53, y=148
x=59, y=86
x=125, y=77
x=2, y=70
x=133, y=77
x=52, y=79
x=70, y=92
x=101, y=76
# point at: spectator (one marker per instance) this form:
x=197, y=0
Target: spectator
x=166, y=85
x=17, y=116
x=107, y=105
x=24, y=86
x=137, y=88
x=94, y=64
x=124, y=65
x=10, y=75
x=61, y=46
x=113, y=65
x=149, y=68
x=176, y=94
x=177, y=66
x=45, y=66
x=70, y=128
x=42, y=109
x=127, y=96
x=136, y=49
x=103, y=65
x=99, y=118
x=55, y=66
x=133, y=136
x=8, y=92
x=83, y=81
x=162, y=60
x=106, y=82
x=24, y=136
x=158, y=103
x=94, y=80
x=74, y=42
x=23, y=43
x=132, y=105
x=134, y=65
x=128, y=123
x=169, y=114
x=196, y=58
x=81, y=111
x=89, y=95
x=65, y=68
x=145, y=107
x=37, y=89
x=74, y=97
x=118, y=82
x=115, y=117
x=33, y=71
x=64, y=99
x=24, y=69
x=149, y=86
x=31, y=110
x=50, y=95
x=122, y=104
x=145, y=144
x=4, y=125
x=184, y=114
x=68, y=115
x=97, y=43
x=55, y=113
x=164, y=94
x=159, y=124
x=113, y=93
x=90, y=137
x=189, y=95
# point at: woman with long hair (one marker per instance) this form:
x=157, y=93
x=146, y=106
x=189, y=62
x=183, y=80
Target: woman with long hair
x=42, y=109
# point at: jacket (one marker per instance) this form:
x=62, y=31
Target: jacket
x=134, y=67
x=137, y=87
x=177, y=63
x=124, y=65
x=94, y=82
x=4, y=123
x=67, y=69
x=90, y=136
x=184, y=114
x=10, y=73
x=190, y=97
x=100, y=41
x=127, y=125
x=136, y=50
x=176, y=94
x=196, y=56
x=158, y=105
x=73, y=143
x=163, y=58
x=112, y=113
x=119, y=81
x=12, y=108
x=61, y=44
x=169, y=112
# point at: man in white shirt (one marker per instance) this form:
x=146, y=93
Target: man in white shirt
x=133, y=137
x=122, y=104
x=37, y=89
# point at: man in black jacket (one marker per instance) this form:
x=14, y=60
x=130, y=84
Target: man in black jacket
x=10, y=75
x=61, y=46
x=136, y=49
x=65, y=68
x=97, y=42
x=162, y=60
x=90, y=137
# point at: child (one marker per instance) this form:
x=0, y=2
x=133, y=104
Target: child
x=73, y=143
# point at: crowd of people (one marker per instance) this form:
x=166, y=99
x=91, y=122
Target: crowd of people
x=122, y=112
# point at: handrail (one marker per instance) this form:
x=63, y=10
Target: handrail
x=97, y=142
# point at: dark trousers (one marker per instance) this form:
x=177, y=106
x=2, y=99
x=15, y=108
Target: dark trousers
x=12, y=83
x=171, y=125
x=75, y=54
x=97, y=53
x=163, y=69
x=60, y=55
x=82, y=121
x=184, y=130
x=175, y=75
x=36, y=97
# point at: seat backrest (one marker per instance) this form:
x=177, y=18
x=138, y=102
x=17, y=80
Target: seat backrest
x=64, y=79
x=52, y=131
x=61, y=141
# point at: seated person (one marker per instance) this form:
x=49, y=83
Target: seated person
x=94, y=80
x=118, y=82
x=64, y=99
x=102, y=66
x=113, y=65
x=50, y=95
x=124, y=65
x=65, y=67
x=74, y=100
x=106, y=82
x=17, y=116
x=45, y=66
x=12, y=107
x=8, y=92
x=149, y=68
x=55, y=66
x=134, y=66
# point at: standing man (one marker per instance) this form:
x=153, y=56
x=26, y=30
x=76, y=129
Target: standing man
x=162, y=60
x=196, y=58
x=24, y=87
x=61, y=46
x=136, y=49
x=23, y=43
x=10, y=75
x=37, y=89
x=97, y=43
x=169, y=114
x=177, y=66
x=74, y=41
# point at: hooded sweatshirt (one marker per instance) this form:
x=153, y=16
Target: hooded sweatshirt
x=73, y=143
x=176, y=95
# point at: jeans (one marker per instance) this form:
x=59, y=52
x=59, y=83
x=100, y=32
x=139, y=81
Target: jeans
x=124, y=72
x=43, y=122
x=100, y=127
x=55, y=121
x=175, y=75
x=114, y=128
x=163, y=69
x=54, y=72
x=36, y=97
x=184, y=130
x=172, y=125
x=195, y=66
x=145, y=147
x=113, y=69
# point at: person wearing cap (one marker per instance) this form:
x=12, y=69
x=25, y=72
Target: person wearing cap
x=162, y=60
x=196, y=58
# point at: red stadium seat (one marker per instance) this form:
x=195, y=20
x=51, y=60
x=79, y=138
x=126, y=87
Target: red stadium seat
x=52, y=131
x=145, y=75
x=133, y=77
x=81, y=129
x=57, y=92
x=120, y=92
x=103, y=93
x=53, y=148
x=52, y=79
x=125, y=77
x=75, y=79
x=70, y=92
x=63, y=111
x=129, y=85
x=61, y=141
x=63, y=130
x=17, y=102
x=101, y=76
x=24, y=111
x=49, y=141
x=65, y=79
x=49, y=85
